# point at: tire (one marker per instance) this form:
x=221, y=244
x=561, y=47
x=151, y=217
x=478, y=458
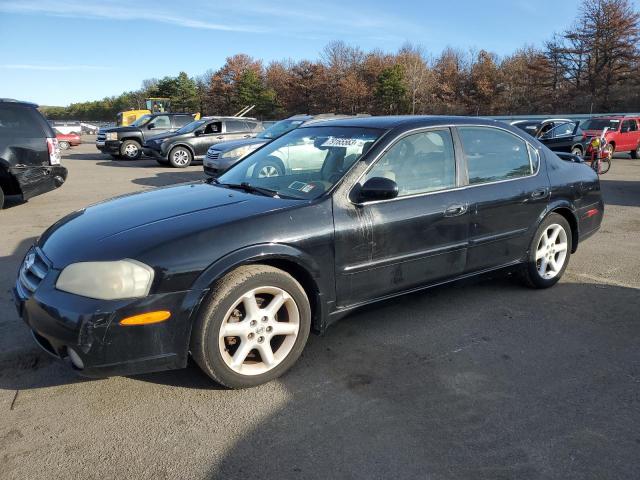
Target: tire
x=635, y=153
x=610, y=148
x=577, y=151
x=605, y=165
x=130, y=150
x=540, y=253
x=180, y=157
x=215, y=352
x=1, y=198
x=269, y=167
x=64, y=145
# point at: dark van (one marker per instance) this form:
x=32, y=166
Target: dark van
x=29, y=152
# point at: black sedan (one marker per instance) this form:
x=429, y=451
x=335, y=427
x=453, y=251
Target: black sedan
x=237, y=271
x=567, y=137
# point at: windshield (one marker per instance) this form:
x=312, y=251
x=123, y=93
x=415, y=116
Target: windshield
x=141, y=121
x=280, y=128
x=190, y=127
x=305, y=162
x=600, y=124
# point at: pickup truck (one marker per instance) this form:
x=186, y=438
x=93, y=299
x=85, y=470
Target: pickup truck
x=126, y=142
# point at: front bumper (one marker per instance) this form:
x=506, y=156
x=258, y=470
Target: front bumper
x=111, y=147
x=218, y=165
x=61, y=322
x=37, y=180
x=153, y=153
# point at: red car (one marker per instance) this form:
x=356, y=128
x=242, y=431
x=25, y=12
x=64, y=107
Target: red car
x=68, y=140
x=623, y=134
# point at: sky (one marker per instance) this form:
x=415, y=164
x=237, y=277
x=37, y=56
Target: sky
x=54, y=52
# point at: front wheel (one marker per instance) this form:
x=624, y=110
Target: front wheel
x=180, y=157
x=253, y=327
x=130, y=150
x=64, y=145
x=605, y=165
x=577, y=151
x=549, y=252
x=635, y=153
x=269, y=167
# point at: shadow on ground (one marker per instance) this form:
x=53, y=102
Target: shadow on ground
x=462, y=383
x=620, y=192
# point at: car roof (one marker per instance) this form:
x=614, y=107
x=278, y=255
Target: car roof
x=18, y=102
x=389, y=122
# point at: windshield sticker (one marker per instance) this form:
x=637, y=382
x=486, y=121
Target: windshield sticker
x=342, y=142
x=302, y=187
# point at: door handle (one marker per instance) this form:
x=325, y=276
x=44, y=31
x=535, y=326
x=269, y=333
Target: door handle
x=219, y=137
x=455, y=210
x=540, y=193
x=247, y=136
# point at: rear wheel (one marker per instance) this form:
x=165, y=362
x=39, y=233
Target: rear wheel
x=610, y=149
x=253, y=327
x=549, y=252
x=64, y=145
x=605, y=165
x=130, y=150
x=180, y=157
x=577, y=151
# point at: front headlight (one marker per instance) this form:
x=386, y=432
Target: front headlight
x=240, y=151
x=112, y=136
x=107, y=280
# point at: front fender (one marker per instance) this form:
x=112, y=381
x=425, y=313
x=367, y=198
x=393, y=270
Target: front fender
x=267, y=252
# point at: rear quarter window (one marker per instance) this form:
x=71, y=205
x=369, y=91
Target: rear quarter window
x=22, y=122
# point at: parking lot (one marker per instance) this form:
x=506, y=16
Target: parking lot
x=484, y=379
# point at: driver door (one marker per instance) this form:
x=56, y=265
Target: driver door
x=158, y=125
x=418, y=238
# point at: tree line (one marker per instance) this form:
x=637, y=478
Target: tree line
x=594, y=65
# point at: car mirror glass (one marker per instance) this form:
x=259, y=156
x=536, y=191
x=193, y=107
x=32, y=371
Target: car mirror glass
x=151, y=126
x=378, y=188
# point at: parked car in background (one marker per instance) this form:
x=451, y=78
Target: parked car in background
x=223, y=156
x=66, y=126
x=29, y=152
x=68, y=140
x=236, y=271
x=126, y=142
x=623, y=134
x=536, y=128
x=566, y=137
x=190, y=143
x=89, y=128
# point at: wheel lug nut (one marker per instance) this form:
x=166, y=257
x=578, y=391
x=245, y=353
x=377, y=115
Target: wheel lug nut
x=260, y=339
x=251, y=335
x=253, y=323
x=265, y=319
x=269, y=329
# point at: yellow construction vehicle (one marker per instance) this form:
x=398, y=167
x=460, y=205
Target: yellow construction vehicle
x=154, y=105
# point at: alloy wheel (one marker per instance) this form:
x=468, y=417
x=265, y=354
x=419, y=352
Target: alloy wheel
x=259, y=330
x=131, y=151
x=551, y=252
x=180, y=157
x=268, y=171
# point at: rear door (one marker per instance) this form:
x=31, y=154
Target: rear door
x=628, y=136
x=211, y=134
x=236, y=129
x=418, y=238
x=507, y=193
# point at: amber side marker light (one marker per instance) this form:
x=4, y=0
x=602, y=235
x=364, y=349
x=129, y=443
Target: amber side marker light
x=146, y=318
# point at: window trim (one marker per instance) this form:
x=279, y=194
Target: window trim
x=462, y=180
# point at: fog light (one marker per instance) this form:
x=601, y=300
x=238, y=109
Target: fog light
x=75, y=359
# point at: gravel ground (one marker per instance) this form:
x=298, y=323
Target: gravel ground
x=483, y=379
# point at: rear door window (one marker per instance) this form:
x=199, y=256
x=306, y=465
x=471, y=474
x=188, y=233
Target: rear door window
x=20, y=122
x=181, y=120
x=493, y=154
x=236, y=126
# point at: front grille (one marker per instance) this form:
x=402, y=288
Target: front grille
x=33, y=270
x=212, y=155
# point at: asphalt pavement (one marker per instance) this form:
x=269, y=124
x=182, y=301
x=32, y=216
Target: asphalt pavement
x=483, y=379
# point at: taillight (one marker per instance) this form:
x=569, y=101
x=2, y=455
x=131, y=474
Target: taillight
x=54, y=151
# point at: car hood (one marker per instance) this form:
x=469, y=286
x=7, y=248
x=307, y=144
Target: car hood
x=226, y=146
x=131, y=225
x=120, y=129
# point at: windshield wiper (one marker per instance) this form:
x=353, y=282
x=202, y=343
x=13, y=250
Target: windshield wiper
x=247, y=187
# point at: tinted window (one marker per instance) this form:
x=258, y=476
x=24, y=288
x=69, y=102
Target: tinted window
x=213, y=127
x=22, y=122
x=234, y=126
x=182, y=120
x=629, y=126
x=161, y=122
x=600, y=124
x=419, y=163
x=494, y=154
x=562, y=130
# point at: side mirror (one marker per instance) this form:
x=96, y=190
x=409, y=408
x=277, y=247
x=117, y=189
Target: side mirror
x=378, y=188
x=198, y=132
x=151, y=126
